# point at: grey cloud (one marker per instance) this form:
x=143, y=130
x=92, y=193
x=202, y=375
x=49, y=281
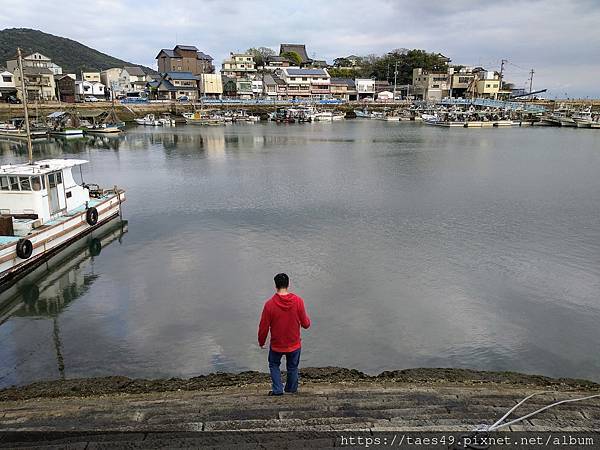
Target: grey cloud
x=555, y=38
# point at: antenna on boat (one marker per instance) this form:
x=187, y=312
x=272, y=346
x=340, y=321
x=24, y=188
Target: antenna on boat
x=24, y=95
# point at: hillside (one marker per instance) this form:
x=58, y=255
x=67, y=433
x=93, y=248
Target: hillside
x=70, y=55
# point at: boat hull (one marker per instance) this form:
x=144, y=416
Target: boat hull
x=67, y=132
x=51, y=238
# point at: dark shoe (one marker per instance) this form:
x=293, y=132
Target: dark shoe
x=291, y=392
x=272, y=394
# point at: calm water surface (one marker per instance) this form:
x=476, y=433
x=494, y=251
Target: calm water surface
x=412, y=246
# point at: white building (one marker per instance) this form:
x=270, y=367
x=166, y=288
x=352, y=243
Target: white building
x=211, y=85
x=85, y=88
x=257, y=88
x=132, y=79
x=306, y=82
x=34, y=60
x=365, y=88
x=385, y=96
x=7, y=84
x=110, y=79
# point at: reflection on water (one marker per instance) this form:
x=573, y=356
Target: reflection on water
x=412, y=246
x=48, y=290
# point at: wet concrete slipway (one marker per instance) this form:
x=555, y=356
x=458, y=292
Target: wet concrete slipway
x=412, y=246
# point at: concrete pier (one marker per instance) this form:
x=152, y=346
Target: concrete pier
x=330, y=400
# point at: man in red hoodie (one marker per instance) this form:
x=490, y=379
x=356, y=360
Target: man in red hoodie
x=283, y=314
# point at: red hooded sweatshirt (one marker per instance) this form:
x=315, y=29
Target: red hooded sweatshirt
x=283, y=315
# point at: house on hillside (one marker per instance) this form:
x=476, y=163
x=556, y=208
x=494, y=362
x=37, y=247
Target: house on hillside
x=7, y=84
x=132, y=79
x=239, y=65
x=34, y=60
x=277, y=62
x=110, y=79
x=39, y=84
x=306, y=82
x=175, y=85
x=365, y=88
x=211, y=85
x=92, y=76
x=65, y=88
x=343, y=88
x=85, y=88
x=431, y=86
x=184, y=58
x=300, y=49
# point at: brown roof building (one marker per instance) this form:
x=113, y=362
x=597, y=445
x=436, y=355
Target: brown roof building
x=184, y=58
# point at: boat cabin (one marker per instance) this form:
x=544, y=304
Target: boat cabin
x=33, y=194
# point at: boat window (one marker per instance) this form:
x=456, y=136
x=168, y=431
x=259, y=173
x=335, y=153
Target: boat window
x=51, y=180
x=58, y=178
x=36, y=184
x=4, y=183
x=14, y=183
x=25, y=183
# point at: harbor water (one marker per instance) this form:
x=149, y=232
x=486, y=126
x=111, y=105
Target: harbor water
x=413, y=246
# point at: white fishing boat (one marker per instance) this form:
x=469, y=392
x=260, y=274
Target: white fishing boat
x=43, y=209
x=323, y=116
x=583, y=118
x=149, y=120
x=65, y=124
x=198, y=118
x=103, y=129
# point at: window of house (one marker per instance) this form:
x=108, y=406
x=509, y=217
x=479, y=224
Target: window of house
x=4, y=184
x=304, y=78
x=6, y=79
x=488, y=85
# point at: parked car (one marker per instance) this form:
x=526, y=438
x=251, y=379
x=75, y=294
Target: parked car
x=12, y=99
x=90, y=98
x=183, y=98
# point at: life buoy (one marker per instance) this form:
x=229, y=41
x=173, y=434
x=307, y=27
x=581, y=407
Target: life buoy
x=24, y=248
x=91, y=216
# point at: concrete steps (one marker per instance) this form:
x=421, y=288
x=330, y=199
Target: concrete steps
x=319, y=406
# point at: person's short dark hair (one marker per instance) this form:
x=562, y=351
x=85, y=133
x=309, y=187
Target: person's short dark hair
x=282, y=281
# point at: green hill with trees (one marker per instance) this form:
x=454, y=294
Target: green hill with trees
x=70, y=55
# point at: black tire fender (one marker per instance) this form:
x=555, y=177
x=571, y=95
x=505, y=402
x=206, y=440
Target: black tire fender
x=24, y=248
x=91, y=216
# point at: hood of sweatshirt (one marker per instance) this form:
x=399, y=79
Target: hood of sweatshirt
x=285, y=302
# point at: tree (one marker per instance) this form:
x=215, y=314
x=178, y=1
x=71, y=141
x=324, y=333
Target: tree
x=342, y=62
x=344, y=72
x=293, y=56
x=405, y=60
x=260, y=54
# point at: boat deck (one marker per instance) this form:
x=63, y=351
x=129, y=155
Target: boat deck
x=93, y=202
x=4, y=240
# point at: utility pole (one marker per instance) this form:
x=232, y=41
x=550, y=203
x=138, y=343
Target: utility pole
x=502, y=62
x=26, y=112
x=531, y=80
x=395, y=79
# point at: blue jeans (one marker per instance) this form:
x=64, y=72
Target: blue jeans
x=292, y=359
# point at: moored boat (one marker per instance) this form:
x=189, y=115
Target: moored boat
x=44, y=210
x=148, y=120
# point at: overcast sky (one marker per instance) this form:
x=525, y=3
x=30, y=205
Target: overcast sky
x=560, y=40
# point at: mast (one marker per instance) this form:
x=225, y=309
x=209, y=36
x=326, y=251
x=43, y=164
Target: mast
x=24, y=95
